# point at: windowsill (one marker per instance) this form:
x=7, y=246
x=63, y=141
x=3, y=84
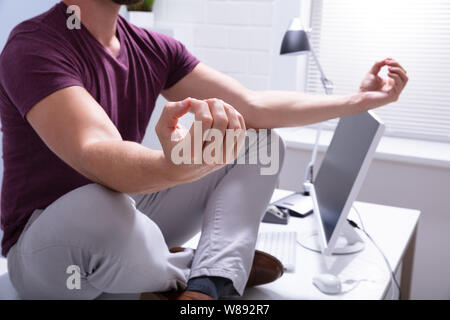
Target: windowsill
x=413, y=151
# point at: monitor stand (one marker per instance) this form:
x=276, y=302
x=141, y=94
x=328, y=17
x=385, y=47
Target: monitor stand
x=348, y=242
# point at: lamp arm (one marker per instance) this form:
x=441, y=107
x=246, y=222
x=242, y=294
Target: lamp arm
x=326, y=83
x=328, y=87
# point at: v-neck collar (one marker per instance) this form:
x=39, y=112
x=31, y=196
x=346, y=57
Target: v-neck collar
x=119, y=35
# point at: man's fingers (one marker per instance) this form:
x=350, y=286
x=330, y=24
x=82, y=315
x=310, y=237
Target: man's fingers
x=218, y=128
x=243, y=133
x=173, y=111
x=225, y=122
x=203, y=114
x=242, y=121
x=232, y=135
x=377, y=67
x=397, y=82
x=401, y=72
x=385, y=62
x=220, y=116
x=233, y=122
x=394, y=63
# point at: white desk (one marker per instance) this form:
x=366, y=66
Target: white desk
x=392, y=228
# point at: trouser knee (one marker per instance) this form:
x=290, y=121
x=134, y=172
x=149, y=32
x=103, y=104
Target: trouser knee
x=266, y=149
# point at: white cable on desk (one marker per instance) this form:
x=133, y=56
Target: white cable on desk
x=394, y=282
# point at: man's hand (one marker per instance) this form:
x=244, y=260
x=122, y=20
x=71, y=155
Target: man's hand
x=212, y=115
x=378, y=91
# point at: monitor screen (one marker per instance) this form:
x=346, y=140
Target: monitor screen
x=341, y=165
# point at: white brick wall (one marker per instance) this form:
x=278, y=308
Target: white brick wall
x=233, y=36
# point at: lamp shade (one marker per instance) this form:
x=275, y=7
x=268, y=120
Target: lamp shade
x=295, y=40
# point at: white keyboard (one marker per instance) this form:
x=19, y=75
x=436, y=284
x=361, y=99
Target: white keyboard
x=281, y=245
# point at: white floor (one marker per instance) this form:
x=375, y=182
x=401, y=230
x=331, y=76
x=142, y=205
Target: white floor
x=7, y=291
x=2, y=266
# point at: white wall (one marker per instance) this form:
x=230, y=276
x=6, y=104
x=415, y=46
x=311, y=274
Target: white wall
x=240, y=38
x=12, y=12
x=415, y=186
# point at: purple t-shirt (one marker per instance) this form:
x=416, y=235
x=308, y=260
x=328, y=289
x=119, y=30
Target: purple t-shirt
x=43, y=56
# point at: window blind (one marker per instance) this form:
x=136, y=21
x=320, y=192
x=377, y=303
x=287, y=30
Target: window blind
x=350, y=35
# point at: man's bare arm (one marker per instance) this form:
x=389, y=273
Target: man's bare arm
x=77, y=129
x=273, y=109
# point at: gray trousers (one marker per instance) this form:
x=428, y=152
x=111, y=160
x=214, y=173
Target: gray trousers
x=118, y=243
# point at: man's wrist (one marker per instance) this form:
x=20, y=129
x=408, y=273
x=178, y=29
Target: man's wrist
x=172, y=172
x=167, y=168
x=357, y=102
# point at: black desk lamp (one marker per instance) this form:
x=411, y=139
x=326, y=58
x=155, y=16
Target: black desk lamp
x=296, y=42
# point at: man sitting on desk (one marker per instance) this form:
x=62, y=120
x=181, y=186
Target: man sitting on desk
x=82, y=196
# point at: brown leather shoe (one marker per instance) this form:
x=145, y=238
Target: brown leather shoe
x=193, y=295
x=265, y=268
x=176, y=295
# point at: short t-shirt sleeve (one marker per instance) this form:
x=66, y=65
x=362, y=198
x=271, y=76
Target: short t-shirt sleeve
x=31, y=70
x=180, y=61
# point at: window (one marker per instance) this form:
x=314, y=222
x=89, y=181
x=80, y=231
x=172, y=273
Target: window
x=350, y=35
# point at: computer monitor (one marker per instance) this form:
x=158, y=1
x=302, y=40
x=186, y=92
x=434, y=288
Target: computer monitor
x=339, y=180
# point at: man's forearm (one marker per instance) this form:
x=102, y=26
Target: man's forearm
x=126, y=167
x=275, y=109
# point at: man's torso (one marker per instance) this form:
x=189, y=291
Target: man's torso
x=126, y=86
